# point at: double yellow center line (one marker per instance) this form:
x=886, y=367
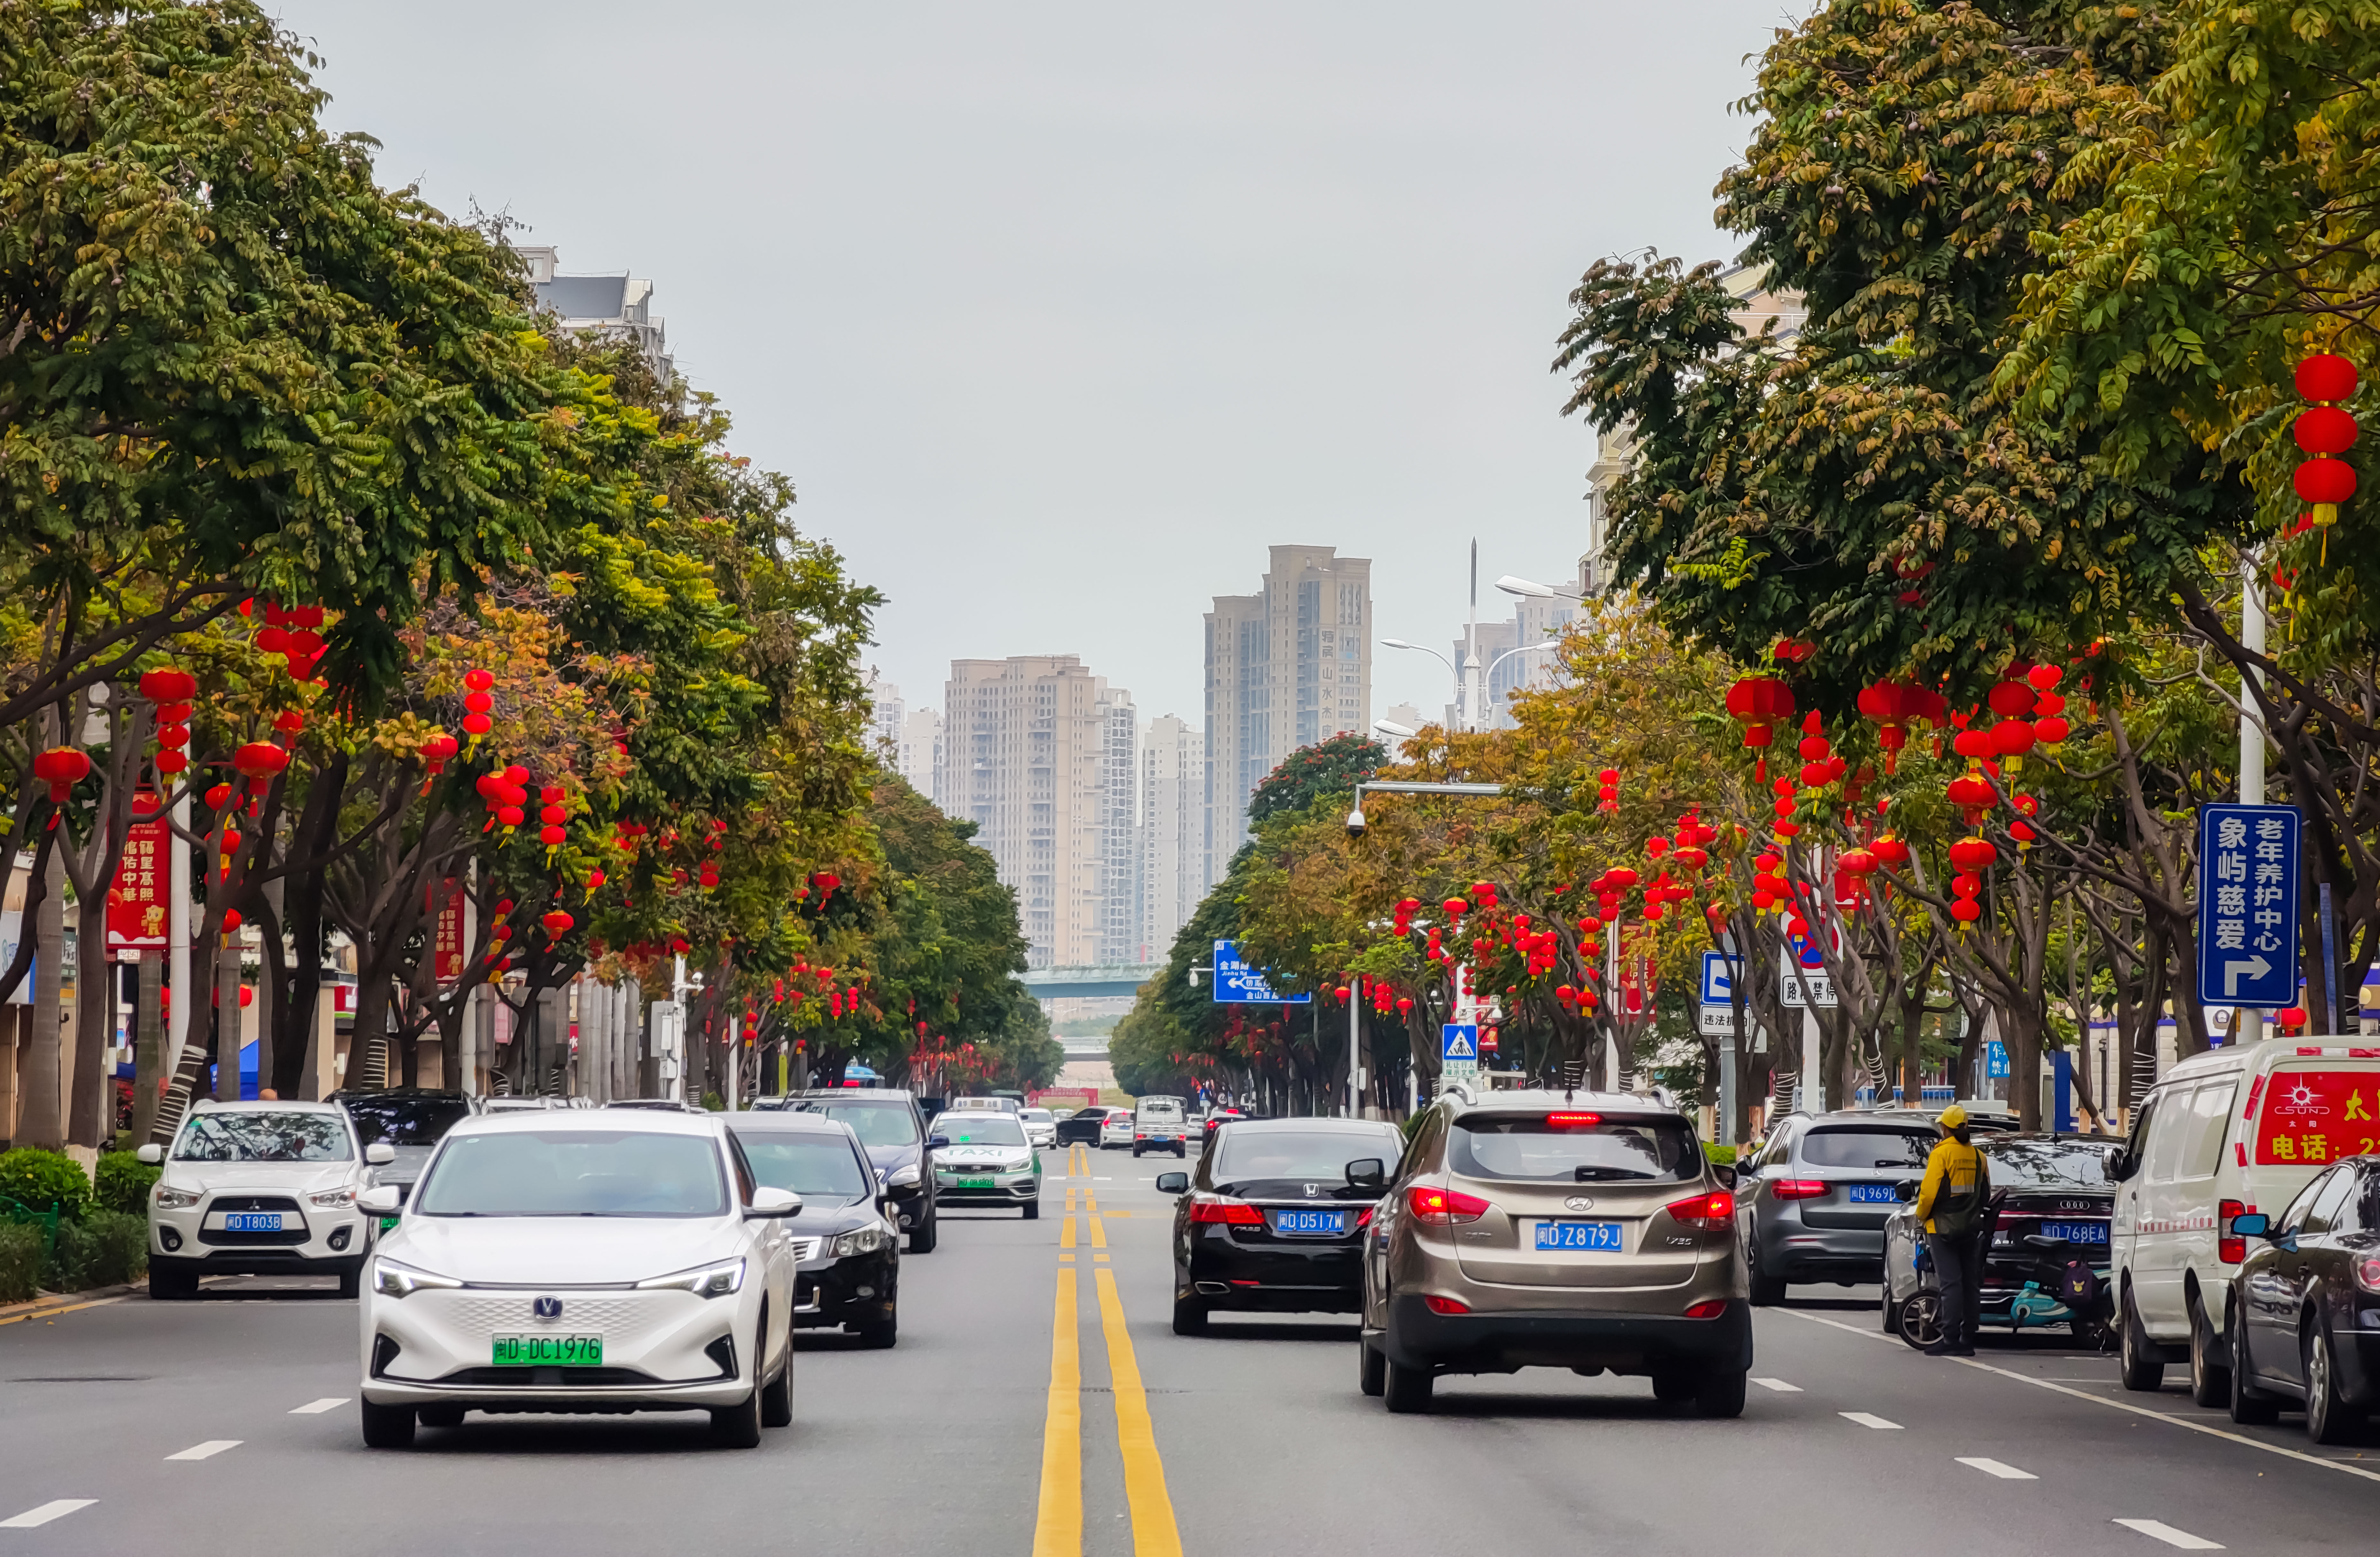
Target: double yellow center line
x=1058, y=1529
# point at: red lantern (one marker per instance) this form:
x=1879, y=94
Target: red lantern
x=258, y=761
x=439, y=750
x=1972, y=854
x=1759, y=703
x=167, y=684
x=477, y=680
x=61, y=767
x=552, y=836
x=2324, y=482
x=1891, y=851
x=2323, y=429
x=557, y=924
x=1966, y=910
x=2326, y=377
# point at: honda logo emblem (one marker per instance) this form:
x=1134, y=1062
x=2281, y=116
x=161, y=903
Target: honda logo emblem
x=547, y=1307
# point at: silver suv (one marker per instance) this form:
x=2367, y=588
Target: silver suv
x=1555, y=1230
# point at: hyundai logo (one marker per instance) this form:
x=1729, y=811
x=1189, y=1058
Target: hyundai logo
x=1579, y=1203
x=546, y=1307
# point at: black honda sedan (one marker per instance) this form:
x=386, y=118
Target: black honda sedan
x=847, y=1250
x=1273, y=1218
x=2305, y=1307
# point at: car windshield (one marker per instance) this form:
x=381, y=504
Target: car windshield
x=266, y=1136
x=1168, y=1111
x=1865, y=1150
x=818, y=1168
x=1036, y=1117
x=980, y=1129
x=874, y=1124
x=1300, y=1154
x=1572, y=1147
x=574, y=1173
x=405, y=1121
x=2020, y=1163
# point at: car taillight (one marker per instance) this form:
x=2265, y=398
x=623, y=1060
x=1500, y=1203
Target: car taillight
x=1440, y=1207
x=1447, y=1304
x=1365, y=1220
x=2367, y=1272
x=1709, y=1212
x=1709, y=1308
x=1573, y=1121
x=1220, y=1208
x=2228, y=1249
x=1798, y=1188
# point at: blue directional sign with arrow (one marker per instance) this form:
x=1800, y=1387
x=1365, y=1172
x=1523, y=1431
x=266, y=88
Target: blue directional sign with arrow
x=2248, y=906
x=1236, y=983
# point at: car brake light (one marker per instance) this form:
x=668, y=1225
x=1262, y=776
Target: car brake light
x=1711, y=1212
x=1440, y=1207
x=1573, y=1121
x=1798, y=1188
x=1223, y=1210
x=1447, y=1304
x=1709, y=1308
x=2231, y=1250
x=1365, y=1220
x=2367, y=1272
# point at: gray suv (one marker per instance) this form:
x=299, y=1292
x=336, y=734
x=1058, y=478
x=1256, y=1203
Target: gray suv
x=1815, y=1199
x=1555, y=1230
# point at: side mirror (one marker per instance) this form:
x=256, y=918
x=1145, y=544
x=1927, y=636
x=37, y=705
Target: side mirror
x=2120, y=1165
x=1173, y=1184
x=379, y=1155
x=2254, y=1224
x=1904, y=1192
x=383, y=1200
x=769, y=1202
x=1368, y=1172
x=935, y=1143
x=151, y=1154
x=1724, y=1173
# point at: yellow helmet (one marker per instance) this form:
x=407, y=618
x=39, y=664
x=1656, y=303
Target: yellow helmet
x=1952, y=1117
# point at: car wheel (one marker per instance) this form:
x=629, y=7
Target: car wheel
x=2328, y=1418
x=1720, y=1393
x=1189, y=1316
x=2250, y=1405
x=879, y=1333
x=1372, y=1369
x=1673, y=1386
x=777, y=1394
x=1767, y=1290
x=738, y=1426
x=168, y=1285
x=1921, y=1320
x=2141, y=1366
x=1033, y=1209
x=387, y=1426
x=2210, y=1382
x=921, y=1237
x=440, y=1416
x=1135, y=1152
x=1406, y=1390
x=1183, y=1152
x=1891, y=1312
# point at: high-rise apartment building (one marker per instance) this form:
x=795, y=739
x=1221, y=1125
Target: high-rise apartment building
x=921, y=752
x=1119, y=905
x=1172, y=832
x=615, y=307
x=1286, y=668
x=1029, y=755
x=889, y=714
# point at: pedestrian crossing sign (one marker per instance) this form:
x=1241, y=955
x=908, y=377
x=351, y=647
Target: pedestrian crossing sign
x=1461, y=1042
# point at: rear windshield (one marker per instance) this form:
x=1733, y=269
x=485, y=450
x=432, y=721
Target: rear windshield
x=1574, y=1149
x=405, y=1121
x=1867, y=1150
x=1160, y=1110
x=817, y=1167
x=2019, y=1164
x=1317, y=1154
x=874, y=1124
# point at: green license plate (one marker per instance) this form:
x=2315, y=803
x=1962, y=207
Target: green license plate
x=386, y=1223
x=975, y=1184
x=549, y=1351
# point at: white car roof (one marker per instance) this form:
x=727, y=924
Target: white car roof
x=266, y=1105
x=604, y=1119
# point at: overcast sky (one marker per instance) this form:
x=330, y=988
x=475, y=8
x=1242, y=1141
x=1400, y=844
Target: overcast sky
x=1059, y=314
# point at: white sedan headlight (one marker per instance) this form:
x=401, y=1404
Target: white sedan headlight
x=393, y=1280
x=707, y=1281
x=867, y=1240
x=1019, y=1165
x=172, y=1199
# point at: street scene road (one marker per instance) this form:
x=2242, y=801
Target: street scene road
x=130, y=1421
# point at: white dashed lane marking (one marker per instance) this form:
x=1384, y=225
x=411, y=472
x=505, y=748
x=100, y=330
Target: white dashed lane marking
x=316, y=1408
x=206, y=1451
x=1779, y=1385
x=1867, y=1419
x=1995, y=1467
x=2156, y=1530
x=47, y=1512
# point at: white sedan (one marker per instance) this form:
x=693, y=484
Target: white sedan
x=1040, y=1127
x=1116, y=1129
x=581, y=1260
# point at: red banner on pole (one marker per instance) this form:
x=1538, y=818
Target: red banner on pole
x=136, y=904
x=448, y=952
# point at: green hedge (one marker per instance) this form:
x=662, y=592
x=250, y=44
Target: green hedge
x=39, y=1178
x=1723, y=1155
x=123, y=1183
x=105, y=1249
x=21, y=1262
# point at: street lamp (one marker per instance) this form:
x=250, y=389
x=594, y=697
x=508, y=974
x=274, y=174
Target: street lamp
x=1390, y=728
x=1460, y=701
x=1534, y=590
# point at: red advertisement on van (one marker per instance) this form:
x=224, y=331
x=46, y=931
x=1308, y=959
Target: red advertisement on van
x=2318, y=1116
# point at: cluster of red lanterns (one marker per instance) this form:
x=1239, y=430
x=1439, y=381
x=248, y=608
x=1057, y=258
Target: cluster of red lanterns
x=1894, y=706
x=294, y=634
x=172, y=690
x=553, y=815
x=505, y=795
x=1609, y=888
x=2324, y=431
x=1970, y=857
x=479, y=704
x=1607, y=790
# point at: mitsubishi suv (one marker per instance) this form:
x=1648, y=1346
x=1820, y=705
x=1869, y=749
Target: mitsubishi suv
x=260, y=1188
x=1539, y=1229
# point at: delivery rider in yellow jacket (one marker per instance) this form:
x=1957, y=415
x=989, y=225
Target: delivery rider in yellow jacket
x=1950, y=1205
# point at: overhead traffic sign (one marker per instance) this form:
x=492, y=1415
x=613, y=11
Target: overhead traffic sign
x=2248, y=906
x=1236, y=983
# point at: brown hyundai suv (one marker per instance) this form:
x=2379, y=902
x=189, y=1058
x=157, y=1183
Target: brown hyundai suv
x=1557, y=1230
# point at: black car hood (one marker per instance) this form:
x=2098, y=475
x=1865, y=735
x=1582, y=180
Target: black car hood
x=887, y=1158
x=827, y=1220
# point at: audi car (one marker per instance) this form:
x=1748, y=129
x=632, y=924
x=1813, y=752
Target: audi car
x=2044, y=1251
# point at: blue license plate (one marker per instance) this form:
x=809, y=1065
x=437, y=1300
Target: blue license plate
x=1309, y=1221
x=251, y=1221
x=2075, y=1231
x=1873, y=1194
x=1593, y=1237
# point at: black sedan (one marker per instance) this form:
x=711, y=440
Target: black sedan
x=1273, y=1218
x=1083, y=1126
x=2305, y=1307
x=411, y=1119
x=2046, y=1249
x=888, y=1125
x=846, y=1249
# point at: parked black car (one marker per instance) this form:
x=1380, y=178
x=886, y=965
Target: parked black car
x=890, y=1126
x=1813, y=1202
x=847, y=1254
x=1273, y=1220
x=1083, y=1125
x=412, y=1119
x=2305, y=1307
x=2046, y=1249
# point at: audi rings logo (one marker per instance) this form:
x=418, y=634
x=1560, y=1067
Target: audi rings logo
x=1579, y=1203
x=546, y=1307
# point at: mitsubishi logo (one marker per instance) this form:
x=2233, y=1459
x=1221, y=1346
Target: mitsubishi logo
x=546, y=1307
x=1579, y=1203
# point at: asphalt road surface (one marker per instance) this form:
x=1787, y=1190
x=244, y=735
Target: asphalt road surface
x=1039, y=1402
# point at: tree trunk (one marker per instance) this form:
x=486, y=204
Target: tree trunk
x=41, y=1119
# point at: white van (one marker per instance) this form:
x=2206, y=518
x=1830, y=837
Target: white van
x=1161, y=1124
x=2221, y=1135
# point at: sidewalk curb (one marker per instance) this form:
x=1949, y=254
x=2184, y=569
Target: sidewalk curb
x=51, y=1301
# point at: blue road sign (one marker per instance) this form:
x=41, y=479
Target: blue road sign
x=1238, y=984
x=1996, y=1060
x=1718, y=978
x=1460, y=1042
x=2248, y=906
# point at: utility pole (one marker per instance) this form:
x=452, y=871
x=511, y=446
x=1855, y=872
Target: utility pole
x=2247, y=1025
